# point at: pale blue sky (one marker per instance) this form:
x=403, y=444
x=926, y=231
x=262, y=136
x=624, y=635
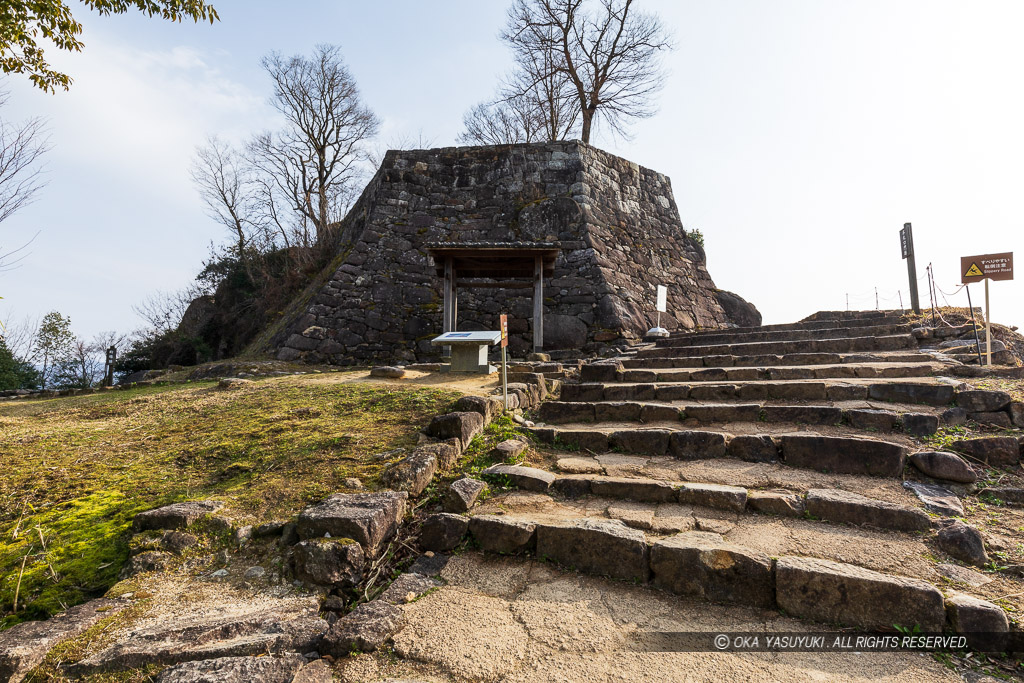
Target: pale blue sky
x=799, y=136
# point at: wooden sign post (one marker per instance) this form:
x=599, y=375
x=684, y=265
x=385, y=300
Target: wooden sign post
x=504, y=367
x=907, y=247
x=987, y=267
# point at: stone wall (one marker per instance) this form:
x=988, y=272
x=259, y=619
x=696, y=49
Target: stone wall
x=616, y=223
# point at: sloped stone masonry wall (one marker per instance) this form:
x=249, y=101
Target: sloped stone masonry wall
x=616, y=222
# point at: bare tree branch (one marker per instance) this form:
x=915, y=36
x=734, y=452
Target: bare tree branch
x=22, y=146
x=609, y=57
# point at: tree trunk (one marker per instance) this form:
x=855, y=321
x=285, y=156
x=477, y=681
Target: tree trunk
x=588, y=118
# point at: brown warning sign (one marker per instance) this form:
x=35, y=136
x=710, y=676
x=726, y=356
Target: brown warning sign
x=991, y=266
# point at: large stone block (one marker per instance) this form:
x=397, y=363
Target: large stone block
x=176, y=516
x=644, y=490
x=852, y=508
x=836, y=593
x=929, y=394
x=443, y=531
x=697, y=445
x=843, y=455
x=329, y=561
x=993, y=450
x=753, y=448
x=983, y=622
x=411, y=474
x=603, y=547
x=557, y=412
x=702, y=565
x=526, y=478
x=946, y=466
x=719, y=496
x=643, y=441
x=462, y=426
x=364, y=629
x=982, y=401
x=369, y=518
x=499, y=534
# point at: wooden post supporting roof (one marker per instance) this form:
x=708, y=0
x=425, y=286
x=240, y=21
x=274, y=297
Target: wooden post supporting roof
x=538, y=304
x=500, y=263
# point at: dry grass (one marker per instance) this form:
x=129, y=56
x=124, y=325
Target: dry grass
x=77, y=469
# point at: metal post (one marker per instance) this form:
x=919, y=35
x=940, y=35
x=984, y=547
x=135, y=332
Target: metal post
x=974, y=323
x=448, y=289
x=847, y=302
x=931, y=288
x=876, y=298
x=988, y=328
x=900, y=293
x=908, y=253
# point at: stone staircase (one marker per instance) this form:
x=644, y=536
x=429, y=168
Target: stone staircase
x=773, y=467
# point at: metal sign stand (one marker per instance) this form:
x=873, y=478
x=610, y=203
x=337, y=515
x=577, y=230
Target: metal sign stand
x=986, y=267
x=974, y=323
x=988, y=329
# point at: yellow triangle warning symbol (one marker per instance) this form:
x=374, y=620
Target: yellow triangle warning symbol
x=973, y=271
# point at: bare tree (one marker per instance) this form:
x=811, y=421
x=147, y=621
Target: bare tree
x=500, y=123
x=315, y=160
x=164, y=310
x=225, y=182
x=610, y=57
x=22, y=146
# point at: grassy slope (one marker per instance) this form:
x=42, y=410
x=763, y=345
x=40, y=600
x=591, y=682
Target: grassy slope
x=75, y=470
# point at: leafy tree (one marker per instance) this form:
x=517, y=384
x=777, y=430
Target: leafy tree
x=15, y=373
x=22, y=22
x=53, y=346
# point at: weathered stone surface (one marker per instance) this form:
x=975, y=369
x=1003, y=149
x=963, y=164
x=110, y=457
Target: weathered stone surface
x=329, y=561
x=281, y=669
x=240, y=630
x=462, y=494
x=942, y=465
x=462, y=426
x=388, y=372
x=852, y=508
x=573, y=486
x=725, y=412
x=411, y=474
x=953, y=417
x=713, y=496
x=994, y=450
x=847, y=392
x=814, y=415
x=876, y=420
x=407, y=587
x=977, y=619
x=596, y=546
x=1007, y=494
x=365, y=629
x=701, y=564
x=233, y=383
x=526, y=478
x=446, y=452
x=600, y=372
x=753, y=448
x=780, y=503
x=178, y=542
x=443, y=531
x=843, y=455
x=1017, y=414
x=617, y=412
x=582, y=392
x=929, y=394
x=999, y=419
x=557, y=412
x=798, y=391
x=585, y=440
x=982, y=401
x=369, y=518
x=920, y=424
x=176, y=516
x=644, y=490
x=832, y=593
x=23, y=646
x=643, y=441
x=955, y=572
x=509, y=449
x=652, y=412
x=962, y=542
x=489, y=407
x=499, y=534
x=696, y=445
x=936, y=498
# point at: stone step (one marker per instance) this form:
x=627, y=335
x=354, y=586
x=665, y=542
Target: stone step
x=915, y=423
x=933, y=393
x=804, y=325
x=774, y=359
x=839, y=345
x=826, y=504
x=707, y=565
x=730, y=337
x=756, y=374
x=833, y=454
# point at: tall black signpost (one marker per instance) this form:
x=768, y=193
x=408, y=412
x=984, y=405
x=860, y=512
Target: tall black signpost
x=907, y=243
